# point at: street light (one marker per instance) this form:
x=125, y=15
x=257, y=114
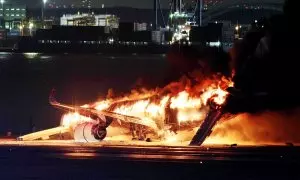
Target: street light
x=2, y=2
x=43, y=8
x=30, y=28
x=21, y=27
x=30, y=25
x=237, y=28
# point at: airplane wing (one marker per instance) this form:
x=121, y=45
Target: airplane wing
x=95, y=114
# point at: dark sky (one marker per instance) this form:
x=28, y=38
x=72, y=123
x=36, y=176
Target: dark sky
x=130, y=3
x=109, y=3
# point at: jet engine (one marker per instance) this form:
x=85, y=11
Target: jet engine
x=89, y=132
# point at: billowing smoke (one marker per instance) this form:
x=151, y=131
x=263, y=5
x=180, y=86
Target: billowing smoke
x=262, y=128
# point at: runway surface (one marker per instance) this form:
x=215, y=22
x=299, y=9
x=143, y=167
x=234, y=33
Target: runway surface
x=69, y=160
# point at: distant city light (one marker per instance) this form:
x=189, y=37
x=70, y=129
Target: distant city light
x=31, y=55
x=31, y=25
x=21, y=27
x=178, y=15
x=111, y=40
x=215, y=44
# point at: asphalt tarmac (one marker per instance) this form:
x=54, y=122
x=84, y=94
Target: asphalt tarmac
x=68, y=160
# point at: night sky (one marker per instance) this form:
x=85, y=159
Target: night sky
x=109, y=3
x=130, y=3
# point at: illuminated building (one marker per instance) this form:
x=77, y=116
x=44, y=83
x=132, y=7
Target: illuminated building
x=11, y=15
x=140, y=26
x=106, y=20
x=86, y=4
x=179, y=20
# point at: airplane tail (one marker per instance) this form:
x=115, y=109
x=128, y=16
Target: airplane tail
x=56, y=104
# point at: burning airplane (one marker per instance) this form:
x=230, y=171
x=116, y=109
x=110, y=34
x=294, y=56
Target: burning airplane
x=159, y=112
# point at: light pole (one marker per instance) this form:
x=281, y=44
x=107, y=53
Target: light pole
x=21, y=27
x=2, y=5
x=30, y=28
x=200, y=11
x=238, y=28
x=43, y=8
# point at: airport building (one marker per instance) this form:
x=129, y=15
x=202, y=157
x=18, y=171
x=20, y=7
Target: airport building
x=86, y=4
x=140, y=27
x=11, y=15
x=105, y=20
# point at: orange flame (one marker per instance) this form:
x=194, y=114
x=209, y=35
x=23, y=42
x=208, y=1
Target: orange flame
x=102, y=105
x=73, y=119
x=189, y=105
x=217, y=94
